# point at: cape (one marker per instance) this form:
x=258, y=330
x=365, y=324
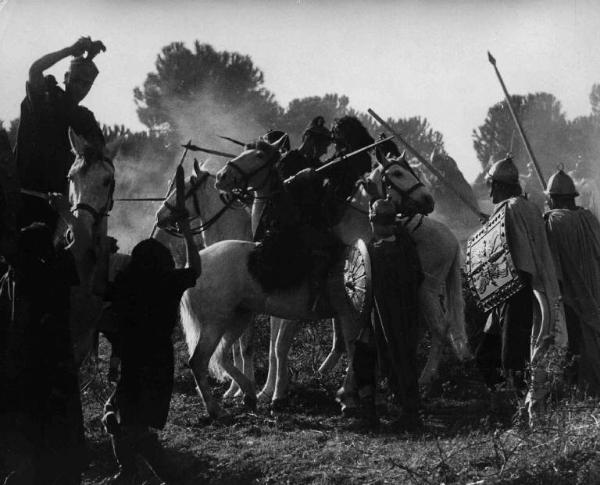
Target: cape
x=574, y=237
x=529, y=247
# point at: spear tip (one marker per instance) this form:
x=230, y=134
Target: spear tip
x=491, y=58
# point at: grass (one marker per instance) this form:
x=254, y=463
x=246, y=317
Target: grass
x=462, y=441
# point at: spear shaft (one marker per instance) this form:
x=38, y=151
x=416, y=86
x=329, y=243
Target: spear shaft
x=515, y=118
x=355, y=152
x=431, y=168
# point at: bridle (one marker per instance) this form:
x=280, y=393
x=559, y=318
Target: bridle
x=195, y=184
x=99, y=214
x=388, y=184
x=245, y=191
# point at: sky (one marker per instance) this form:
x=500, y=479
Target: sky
x=400, y=58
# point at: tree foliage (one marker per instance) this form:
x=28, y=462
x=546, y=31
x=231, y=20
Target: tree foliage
x=544, y=123
x=204, y=79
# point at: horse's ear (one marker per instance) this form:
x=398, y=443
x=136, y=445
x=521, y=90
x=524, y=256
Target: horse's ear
x=112, y=148
x=280, y=143
x=78, y=143
x=196, y=167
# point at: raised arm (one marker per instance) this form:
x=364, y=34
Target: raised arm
x=36, y=71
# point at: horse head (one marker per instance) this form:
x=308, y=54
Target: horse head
x=396, y=178
x=91, y=178
x=251, y=169
x=194, y=190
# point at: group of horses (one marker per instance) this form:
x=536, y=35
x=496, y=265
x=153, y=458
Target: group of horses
x=218, y=313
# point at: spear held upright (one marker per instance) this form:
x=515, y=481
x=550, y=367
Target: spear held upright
x=431, y=168
x=515, y=118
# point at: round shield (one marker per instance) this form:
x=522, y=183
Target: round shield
x=357, y=278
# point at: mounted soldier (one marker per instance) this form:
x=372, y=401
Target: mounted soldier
x=315, y=142
x=512, y=272
x=574, y=235
x=43, y=153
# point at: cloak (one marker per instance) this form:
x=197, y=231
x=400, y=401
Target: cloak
x=574, y=237
x=529, y=247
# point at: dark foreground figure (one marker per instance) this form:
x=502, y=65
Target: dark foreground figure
x=146, y=299
x=41, y=418
x=392, y=337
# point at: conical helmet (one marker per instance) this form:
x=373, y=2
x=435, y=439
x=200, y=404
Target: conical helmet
x=504, y=171
x=561, y=184
x=382, y=211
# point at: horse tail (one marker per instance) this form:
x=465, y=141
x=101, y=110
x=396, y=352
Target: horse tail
x=456, y=308
x=189, y=321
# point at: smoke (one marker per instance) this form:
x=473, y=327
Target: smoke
x=145, y=166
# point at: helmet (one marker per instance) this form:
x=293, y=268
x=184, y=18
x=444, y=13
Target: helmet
x=317, y=127
x=382, y=211
x=504, y=171
x=561, y=184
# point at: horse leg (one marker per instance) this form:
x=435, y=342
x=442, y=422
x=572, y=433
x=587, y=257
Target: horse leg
x=237, y=361
x=337, y=349
x=434, y=318
x=287, y=332
x=199, y=361
x=267, y=391
x=234, y=372
x=247, y=352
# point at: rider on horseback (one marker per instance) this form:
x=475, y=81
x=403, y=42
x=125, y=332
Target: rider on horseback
x=43, y=152
x=310, y=202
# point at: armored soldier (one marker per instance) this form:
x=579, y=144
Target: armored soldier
x=392, y=336
x=529, y=326
x=43, y=152
x=574, y=235
x=315, y=142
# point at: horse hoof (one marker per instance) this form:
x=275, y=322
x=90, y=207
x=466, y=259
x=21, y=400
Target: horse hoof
x=264, y=396
x=250, y=403
x=280, y=404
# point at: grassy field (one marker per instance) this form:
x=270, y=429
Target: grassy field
x=464, y=440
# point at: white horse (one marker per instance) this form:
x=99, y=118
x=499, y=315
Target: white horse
x=220, y=219
x=91, y=186
x=441, y=300
x=215, y=312
x=441, y=297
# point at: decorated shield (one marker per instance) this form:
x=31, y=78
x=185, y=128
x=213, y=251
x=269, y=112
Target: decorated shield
x=357, y=279
x=492, y=275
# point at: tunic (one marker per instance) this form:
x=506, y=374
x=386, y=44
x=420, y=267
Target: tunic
x=147, y=306
x=575, y=241
x=43, y=151
x=397, y=276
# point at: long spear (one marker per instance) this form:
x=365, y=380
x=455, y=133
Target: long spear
x=432, y=169
x=196, y=148
x=355, y=152
x=515, y=118
x=187, y=147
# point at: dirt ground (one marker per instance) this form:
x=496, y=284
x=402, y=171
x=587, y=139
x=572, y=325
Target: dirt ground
x=468, y=437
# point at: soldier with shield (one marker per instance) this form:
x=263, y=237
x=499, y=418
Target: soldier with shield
x=574, y=235
x=511, y=271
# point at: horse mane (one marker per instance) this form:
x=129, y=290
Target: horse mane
x=354, y=131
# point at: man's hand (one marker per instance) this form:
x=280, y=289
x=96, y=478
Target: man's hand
x=59, y=203
x=82, y=45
